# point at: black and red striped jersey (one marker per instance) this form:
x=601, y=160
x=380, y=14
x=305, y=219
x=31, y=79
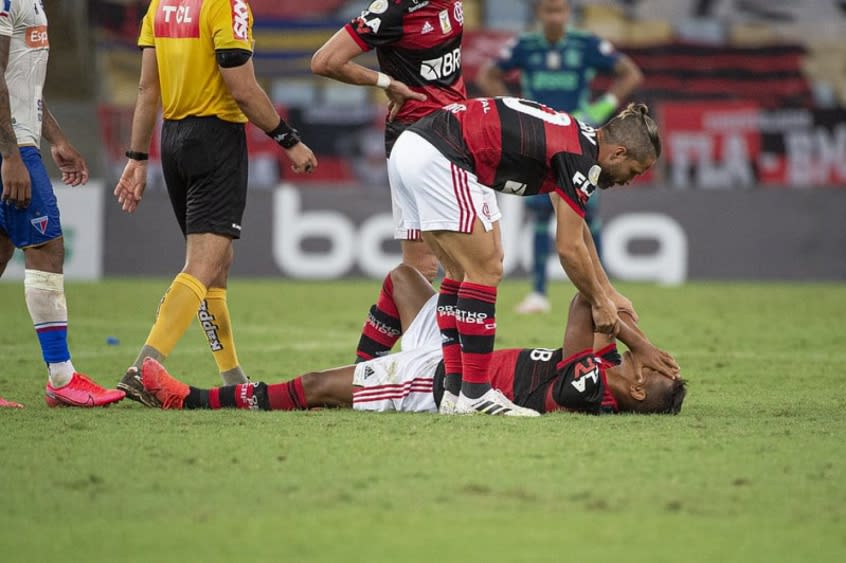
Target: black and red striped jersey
x=543, y=380
x=518, y=147
x=418, y=42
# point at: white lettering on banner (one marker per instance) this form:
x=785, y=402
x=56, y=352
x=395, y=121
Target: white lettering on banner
x=696, y=152
x=291, y=226
x=350, y=245
x=668, y=264
x=813, y=156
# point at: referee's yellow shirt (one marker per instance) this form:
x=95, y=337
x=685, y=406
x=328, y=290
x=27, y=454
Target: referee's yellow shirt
x=185, y=34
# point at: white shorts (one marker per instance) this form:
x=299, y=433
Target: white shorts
x=429, y=193
x=402, y=382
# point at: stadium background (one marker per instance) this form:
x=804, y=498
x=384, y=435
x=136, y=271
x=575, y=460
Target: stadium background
x=750, y=97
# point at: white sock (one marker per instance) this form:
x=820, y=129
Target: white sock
x=45, y=299
x=61, y=373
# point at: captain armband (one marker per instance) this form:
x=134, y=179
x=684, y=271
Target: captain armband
x=231, y=58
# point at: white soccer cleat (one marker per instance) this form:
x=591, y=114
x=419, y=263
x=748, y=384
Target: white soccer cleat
x=448, y=402
x=533, y=304
x=492, y=403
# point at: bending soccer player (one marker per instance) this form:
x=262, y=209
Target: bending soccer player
x=445, y=169
x=586, y=375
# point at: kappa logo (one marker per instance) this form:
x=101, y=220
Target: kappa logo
x=207, y=322
x=40, y=224
x=427, y=28
x=240, y=19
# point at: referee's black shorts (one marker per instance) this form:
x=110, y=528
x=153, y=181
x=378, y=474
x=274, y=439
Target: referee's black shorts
x=204, y=161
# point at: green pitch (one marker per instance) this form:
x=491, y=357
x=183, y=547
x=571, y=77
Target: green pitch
x=752, y=470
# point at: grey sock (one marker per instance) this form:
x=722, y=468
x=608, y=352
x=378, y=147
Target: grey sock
x=147, y=351
x=234, y=376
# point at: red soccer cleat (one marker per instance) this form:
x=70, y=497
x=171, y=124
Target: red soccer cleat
x=10, y=404
x=169, y=391
x=81, y=392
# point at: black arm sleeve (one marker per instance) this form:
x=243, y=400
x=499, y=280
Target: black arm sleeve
x=231, y=58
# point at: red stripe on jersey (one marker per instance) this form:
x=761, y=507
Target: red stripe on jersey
x=349, y=29
x=608, y=399
x=501, y=370
x=570, y=359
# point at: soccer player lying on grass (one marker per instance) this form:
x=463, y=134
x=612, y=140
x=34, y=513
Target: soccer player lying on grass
x=586, y=375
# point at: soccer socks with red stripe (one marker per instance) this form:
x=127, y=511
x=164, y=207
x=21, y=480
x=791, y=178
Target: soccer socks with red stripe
x=447, y=301
x=288, y=396
x=476, y=323
x=382, y=328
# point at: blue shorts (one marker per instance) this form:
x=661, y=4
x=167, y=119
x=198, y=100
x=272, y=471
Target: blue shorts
x=39, y=222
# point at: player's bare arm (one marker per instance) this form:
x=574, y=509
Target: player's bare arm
x=490, y=80
x=17, y=187
x=335, y=60
x=252, y=99
x=133, y=181
x=620, y=300
x=577, y=263
x=579, y=335
x=627, y=77
x=70, y=163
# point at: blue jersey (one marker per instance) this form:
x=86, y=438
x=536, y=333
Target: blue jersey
x=558, y=75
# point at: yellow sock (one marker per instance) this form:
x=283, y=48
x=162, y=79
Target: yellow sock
x=176, y=311
x=216, y=323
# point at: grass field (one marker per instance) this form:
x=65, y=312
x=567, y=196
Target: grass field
x=752, y=470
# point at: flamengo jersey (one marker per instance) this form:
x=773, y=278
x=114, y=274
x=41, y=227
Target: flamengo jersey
x=542, y=380
x=418, y=42
x=25, y=23
x=517, y=147
x=186, y=34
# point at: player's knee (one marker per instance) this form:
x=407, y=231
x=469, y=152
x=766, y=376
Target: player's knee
x=315, y=388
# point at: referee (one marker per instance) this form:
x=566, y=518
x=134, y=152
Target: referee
x=197, y=59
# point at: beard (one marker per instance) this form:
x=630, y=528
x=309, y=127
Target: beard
x=606, y=180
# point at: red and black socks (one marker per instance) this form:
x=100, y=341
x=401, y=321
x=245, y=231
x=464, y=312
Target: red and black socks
x=288, y=396
x=476, y=323
x=447, y=301
x=382, y=328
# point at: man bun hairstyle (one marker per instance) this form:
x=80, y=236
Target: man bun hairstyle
x=635, y=129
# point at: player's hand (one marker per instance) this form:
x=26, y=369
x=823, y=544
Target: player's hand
x=70, y=163
x=605, y=317
x=17, y=186
x=130, y=187
x=302, y=159
x=623, y=304
x=648, y=356
x=397, y=94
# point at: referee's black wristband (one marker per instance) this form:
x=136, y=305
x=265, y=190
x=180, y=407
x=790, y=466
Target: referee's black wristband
x=135, y=155
x=285, y=135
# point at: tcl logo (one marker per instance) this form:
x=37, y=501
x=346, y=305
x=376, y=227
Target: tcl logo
x=36, y=37
x=178, y=18
x=240, y=19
